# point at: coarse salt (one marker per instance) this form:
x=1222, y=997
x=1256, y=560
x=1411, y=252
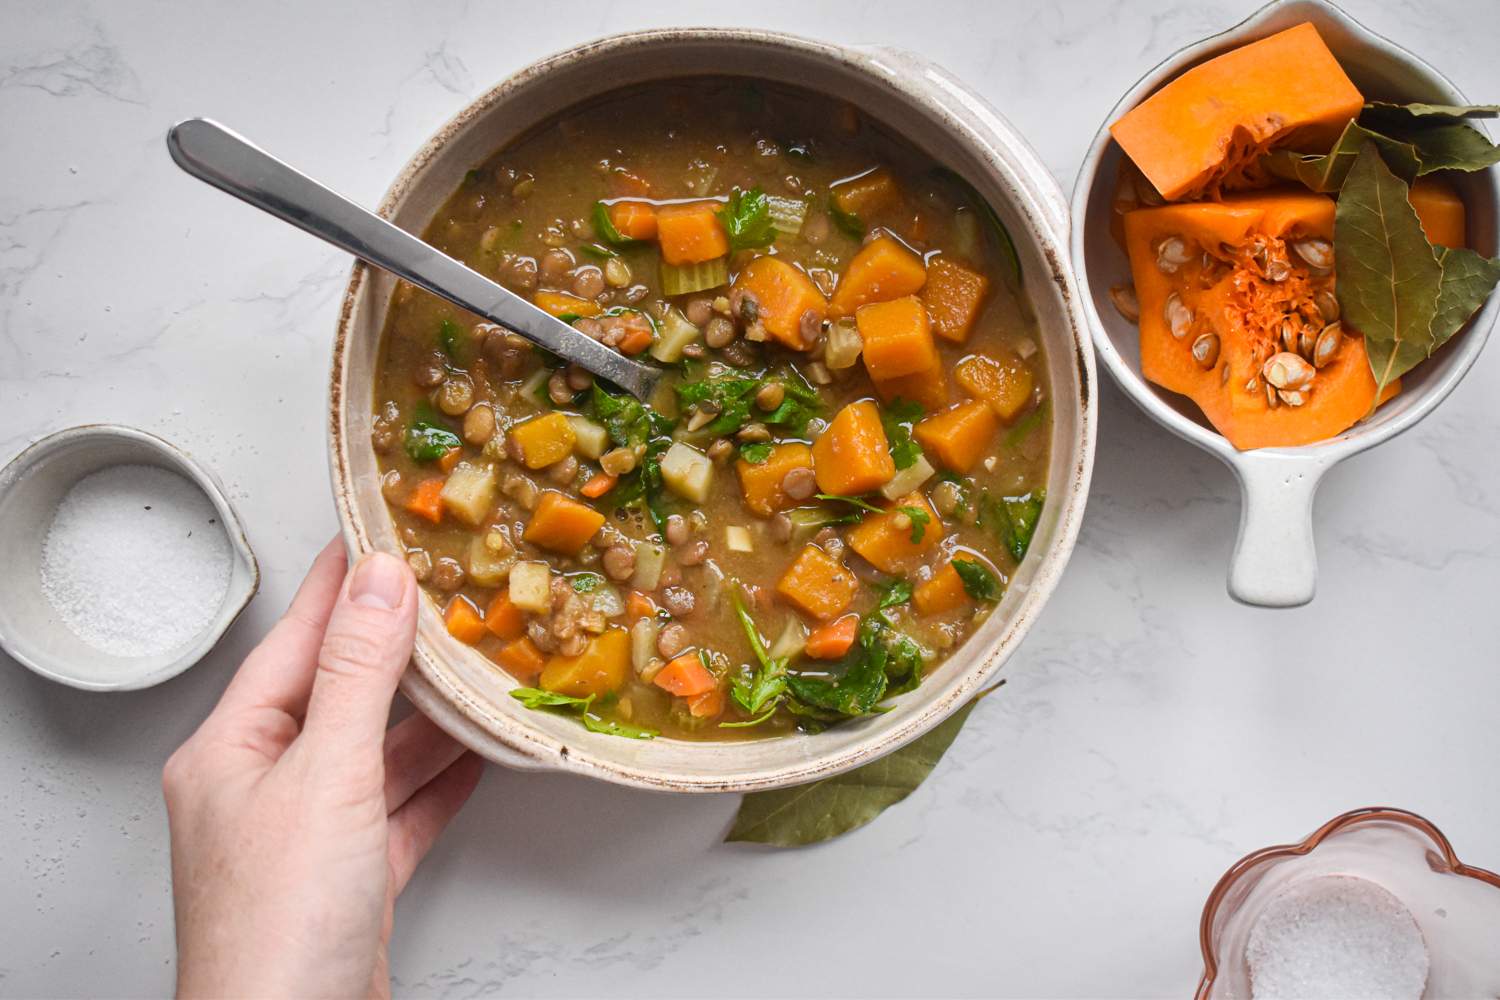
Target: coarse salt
x=1336, y=937
x=136, y=562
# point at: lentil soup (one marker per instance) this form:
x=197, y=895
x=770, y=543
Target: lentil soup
x=841, y=471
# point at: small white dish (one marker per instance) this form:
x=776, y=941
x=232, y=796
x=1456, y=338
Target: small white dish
x=31, y=487
x=1274, y=562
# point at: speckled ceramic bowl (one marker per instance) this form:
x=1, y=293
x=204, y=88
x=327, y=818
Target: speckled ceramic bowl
x=31, y=487
x=1274, y=562
x=462, y=690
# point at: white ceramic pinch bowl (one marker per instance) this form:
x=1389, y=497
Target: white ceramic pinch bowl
x=1274, y=562
x=31, y=487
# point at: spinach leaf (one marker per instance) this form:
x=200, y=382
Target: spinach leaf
x=1013, y=520
x=856, y=501
x=853, y=686
x=897, y=418
x=537, y=698
x=894, y=593
x=756, y=454
x=848, y=222
x=450, y=338
x=586, y=583
x=919, y=520
x=628, y=422
x=427, y=439
x=764, y=688
x=1027, y=424
x=747, y=220
x=606, y=229
x=598, y=251
x=734, y=397
x=613, y=727
x=979, y=582
x=822, y=810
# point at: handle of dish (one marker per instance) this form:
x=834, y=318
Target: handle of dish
x=1275, y=562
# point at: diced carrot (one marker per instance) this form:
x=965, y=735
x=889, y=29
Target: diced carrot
x=953, y=295
x=503, y=618
x=829, y=642
x=929, y=388
x=562, y=525
x=882, y=270
x=449, y=459
x=943, y=593
x=852, y=456
x=521, y=658
x=598, y=485
x=783, y=295
x=885, y=540
x=427, y=500
x=867, y=195
x=635, y=340
x=463, y=620
x=598, y=670
x=960, y=437
x=690, y=233
x=634, y=220
x=544, y=440
x=1004, y=383
x=817, y=584
x=564, y=304
x=762, y=484
x=708, y=705
x=897, y=338
x=685, y=677
x=638, y=606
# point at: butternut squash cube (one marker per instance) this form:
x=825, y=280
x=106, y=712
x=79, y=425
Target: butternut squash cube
x=884, y=269
x=1005, y=383
x=562, y=525
x=545, y=439
x=954, y=295
x=885, y=540
x=598, y=670
x=564, y=304
x=690, y=233
x=818, y=585
x=960, y=437
x=897, y=338
x=929, y=388
x=761, y=484
x=852, y=456
x=867, y=195
x=783, y=294
x=943, y=593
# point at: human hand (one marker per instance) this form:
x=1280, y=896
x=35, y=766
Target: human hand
x=296, y=817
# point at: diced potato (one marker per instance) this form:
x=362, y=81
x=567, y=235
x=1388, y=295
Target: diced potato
x=737, y=539
x=843, y=345
x=650, y=560
x=643, y=642
x=676, y=333
x=487, y=567
x=908, y=479
x=531, y=586
x=469, y=492
x=687, y=472
x=591, y=439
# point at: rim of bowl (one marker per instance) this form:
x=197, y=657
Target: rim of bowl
x=41, y=451
x=1362, y=435
x=1355, y=817
x=503, y=739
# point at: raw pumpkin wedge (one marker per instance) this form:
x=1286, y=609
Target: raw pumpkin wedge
x=1205, y=132
x=1441, y=212
x=1237, y=312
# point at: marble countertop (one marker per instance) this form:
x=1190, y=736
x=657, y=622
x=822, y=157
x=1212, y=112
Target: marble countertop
x=1151, y=733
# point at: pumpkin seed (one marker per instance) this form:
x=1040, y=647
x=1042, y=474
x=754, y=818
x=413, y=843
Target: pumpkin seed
x=1172, y=253
x=1293, y=397
x=1327, y=303
x=1271, y=399
x=1317, y=252
x=1288, y=335
x=1253, y=384
x=1178, y=316
x=1224, y=377
x=1288, y=371
x=1277, y=269
x=1307, y=342
x=1206, y=351
x=1123, y=296
x=1327, y=345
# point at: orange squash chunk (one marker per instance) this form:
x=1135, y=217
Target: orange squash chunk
x=544, y=440
x=943, y=593
x=1203, y=130
x=897, y=338
x=884, y=540
x=563, y=304
x=817, y=584
x=634, y=220
x=1005, y=383
x=867, y=195
x=960, y=437
x=929, y=388
x=521, y=659
x=561, y=524
x=598, y=670
x=852, y=455
x=1440, y=211
x=783, y=294
x=503, y=618
x=1245, y=311
x=463, y=620
x=954, y=295
x=882, y=270
x=761, y=484
x=690, y=233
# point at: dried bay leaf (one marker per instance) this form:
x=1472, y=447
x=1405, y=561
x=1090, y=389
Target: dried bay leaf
x=1468, y=279
x=822, y=810
x=1388, y=277
x=1419, y=110
x=1325, y=174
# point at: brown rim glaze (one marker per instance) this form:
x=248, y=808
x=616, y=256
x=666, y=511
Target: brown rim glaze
x=1353, y=818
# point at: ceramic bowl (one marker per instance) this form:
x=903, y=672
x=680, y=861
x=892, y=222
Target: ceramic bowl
x=462, y=690
x=31, y=487
x=1456, y=906
x=1274, y=563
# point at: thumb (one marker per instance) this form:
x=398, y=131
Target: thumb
x=365, y=650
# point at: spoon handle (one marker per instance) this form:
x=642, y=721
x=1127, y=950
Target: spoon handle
x=229, y=162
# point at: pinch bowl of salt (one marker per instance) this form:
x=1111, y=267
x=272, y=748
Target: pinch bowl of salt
x=122, y=562
x=1373, y=905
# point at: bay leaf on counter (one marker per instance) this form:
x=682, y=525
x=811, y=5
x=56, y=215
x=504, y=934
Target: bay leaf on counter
x=1468, y=279
x=821, y=810
x=1325, y=173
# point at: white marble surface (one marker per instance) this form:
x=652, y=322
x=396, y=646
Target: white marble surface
x=1151, y=733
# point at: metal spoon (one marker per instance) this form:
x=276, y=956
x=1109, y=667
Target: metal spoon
x=229, y=162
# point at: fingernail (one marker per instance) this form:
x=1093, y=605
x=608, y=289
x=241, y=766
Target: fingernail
x=379, y=581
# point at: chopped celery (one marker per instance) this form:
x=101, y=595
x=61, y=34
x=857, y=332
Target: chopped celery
x=787, y=214
x=681, y=279
x=844, y=345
